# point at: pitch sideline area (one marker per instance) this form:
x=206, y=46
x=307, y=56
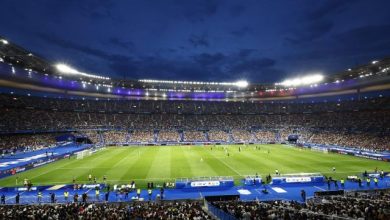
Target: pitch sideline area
x=165, y=163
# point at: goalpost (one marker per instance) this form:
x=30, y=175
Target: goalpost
x=82, y=154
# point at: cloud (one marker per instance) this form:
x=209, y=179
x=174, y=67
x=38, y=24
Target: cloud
x=204, y=66
x=65, y=44
x=237, y=10
x=313, y=31
x=253, y=65
x=96, y=9
x=244, y=53
x=317, y=22
x=199, y=40
x=197, y=11
x=258, y=70
x=206, y=59
x=370, y=40
x=242, y=31
x=329, y=8
x=121, y=43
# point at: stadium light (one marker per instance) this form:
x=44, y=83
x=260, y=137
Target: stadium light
x=63, y=68
x=4, y=41
x=66, y=69
x=306, y=80
x=242, y=83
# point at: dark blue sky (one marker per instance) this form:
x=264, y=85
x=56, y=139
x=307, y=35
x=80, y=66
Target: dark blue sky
x=261, y=41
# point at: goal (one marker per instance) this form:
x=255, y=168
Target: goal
x=82, y=154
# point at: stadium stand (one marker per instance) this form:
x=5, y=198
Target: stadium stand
x=26, y=142
x=93, y=135
x=242, y=135
x=194, y=136
x=265, y=136
x=141, y=210
x=362, y=124
x=218, y=136
x=168, y=136
x=358, y=206
x=142, y=136
x=112, y=137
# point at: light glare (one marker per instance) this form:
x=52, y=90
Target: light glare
x=306, y=80
x=63, y=68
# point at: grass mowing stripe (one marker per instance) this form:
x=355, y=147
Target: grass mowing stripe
x=226, y=165
x=161, y=164
x=40, y=171
x=82, y=175
x=143, y=164
x=124, y=171
x=180, y=163
x=200, y=164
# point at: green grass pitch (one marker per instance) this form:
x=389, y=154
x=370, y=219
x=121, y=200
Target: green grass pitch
x=165, y=163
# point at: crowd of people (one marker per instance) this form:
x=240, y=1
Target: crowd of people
x=194, y=136
x=115, y=136
x=114, y=211
x=218, y=136
x=242, y=136
x=361, y=124
x=360, y=140
x=190, y=107
x=265, y=136
x=10, y=144
x=42, y=120
x=356, y=206
x=142, y=136
x=94, y=136
x=168, y=136
x=363, y=141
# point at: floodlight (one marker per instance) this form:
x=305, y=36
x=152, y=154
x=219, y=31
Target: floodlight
x=242, y=83
x=63, y=68
x=66, y=69
x=4, y=41
x=306, y=80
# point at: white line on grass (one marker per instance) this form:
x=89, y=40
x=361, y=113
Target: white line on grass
x=230, y=167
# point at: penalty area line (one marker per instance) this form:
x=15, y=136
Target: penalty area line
x=230, y=167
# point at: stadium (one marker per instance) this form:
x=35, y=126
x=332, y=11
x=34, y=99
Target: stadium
x=82, y=145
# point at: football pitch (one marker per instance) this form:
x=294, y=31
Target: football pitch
x=166, y=163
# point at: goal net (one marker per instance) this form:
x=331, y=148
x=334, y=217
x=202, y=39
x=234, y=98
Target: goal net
x=82, y=154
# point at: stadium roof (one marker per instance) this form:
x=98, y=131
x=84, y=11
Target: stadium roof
x=375, y=73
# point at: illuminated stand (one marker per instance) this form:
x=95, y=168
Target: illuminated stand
x=298, y=178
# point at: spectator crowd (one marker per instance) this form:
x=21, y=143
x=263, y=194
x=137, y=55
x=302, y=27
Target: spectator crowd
x=356, y=206
x=361, y=124
x=114, y=211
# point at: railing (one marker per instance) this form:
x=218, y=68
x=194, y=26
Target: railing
x=219, y=213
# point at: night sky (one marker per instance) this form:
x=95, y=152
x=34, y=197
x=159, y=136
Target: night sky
x=211, y=40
